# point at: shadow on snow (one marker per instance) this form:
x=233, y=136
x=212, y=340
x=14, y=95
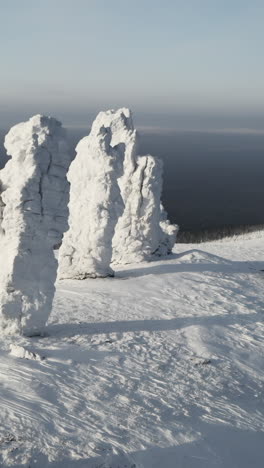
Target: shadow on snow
x=218, y=445
x=97, y=328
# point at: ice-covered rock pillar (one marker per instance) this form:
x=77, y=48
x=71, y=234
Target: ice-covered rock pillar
x=141, y=233
x=34, y=194
x=143, y=229
x=123, y=133
x=95, y=205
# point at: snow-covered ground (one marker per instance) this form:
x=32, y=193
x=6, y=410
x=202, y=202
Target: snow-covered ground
x=160, y=367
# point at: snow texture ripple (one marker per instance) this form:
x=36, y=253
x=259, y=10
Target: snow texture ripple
x=160, y=367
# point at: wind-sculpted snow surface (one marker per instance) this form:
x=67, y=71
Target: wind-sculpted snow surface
x=162, y=370
x=33, y=216
x=95, y=205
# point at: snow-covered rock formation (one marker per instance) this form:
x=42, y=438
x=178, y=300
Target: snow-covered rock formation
x=95, y=205
x=138, y=234
x=143, y=229
x=33, y=216
x=168, y=235
x=115, y=211
x=123, y=134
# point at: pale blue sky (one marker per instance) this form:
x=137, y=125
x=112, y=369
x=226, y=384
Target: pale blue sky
x=195, y=60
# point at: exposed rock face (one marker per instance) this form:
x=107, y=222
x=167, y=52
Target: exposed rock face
x=95, y=205
x=34, y=193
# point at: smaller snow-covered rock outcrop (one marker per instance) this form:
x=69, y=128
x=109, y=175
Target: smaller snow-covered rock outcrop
x=95, y=205
x=24, y=353
x=34, y=193
x=144, y=231
x=168, y=233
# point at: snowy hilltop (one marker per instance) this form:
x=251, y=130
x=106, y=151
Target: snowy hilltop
x=161, y=366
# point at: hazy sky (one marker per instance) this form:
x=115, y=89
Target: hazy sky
x=182, y=63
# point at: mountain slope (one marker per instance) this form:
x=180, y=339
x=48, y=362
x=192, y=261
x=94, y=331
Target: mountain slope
x=160, y=366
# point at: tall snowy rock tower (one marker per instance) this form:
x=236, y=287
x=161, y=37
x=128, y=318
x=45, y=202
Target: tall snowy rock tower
x=115, y=210
x=95, y=205
x=34, y=193
x=143, y=229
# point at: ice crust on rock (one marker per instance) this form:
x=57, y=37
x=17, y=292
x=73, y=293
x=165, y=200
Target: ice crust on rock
x=143, y=230
x=138, y=233
x=95, y=205
x=168, y=235
x=115, y=210
x=34, y=193
x=123, y=133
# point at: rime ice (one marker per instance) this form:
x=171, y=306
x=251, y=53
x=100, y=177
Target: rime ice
x=33, y=216
x=115, y=211
x=143, y=229
x=95, y=205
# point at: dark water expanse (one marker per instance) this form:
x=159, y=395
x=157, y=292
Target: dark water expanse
x=211, y=180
